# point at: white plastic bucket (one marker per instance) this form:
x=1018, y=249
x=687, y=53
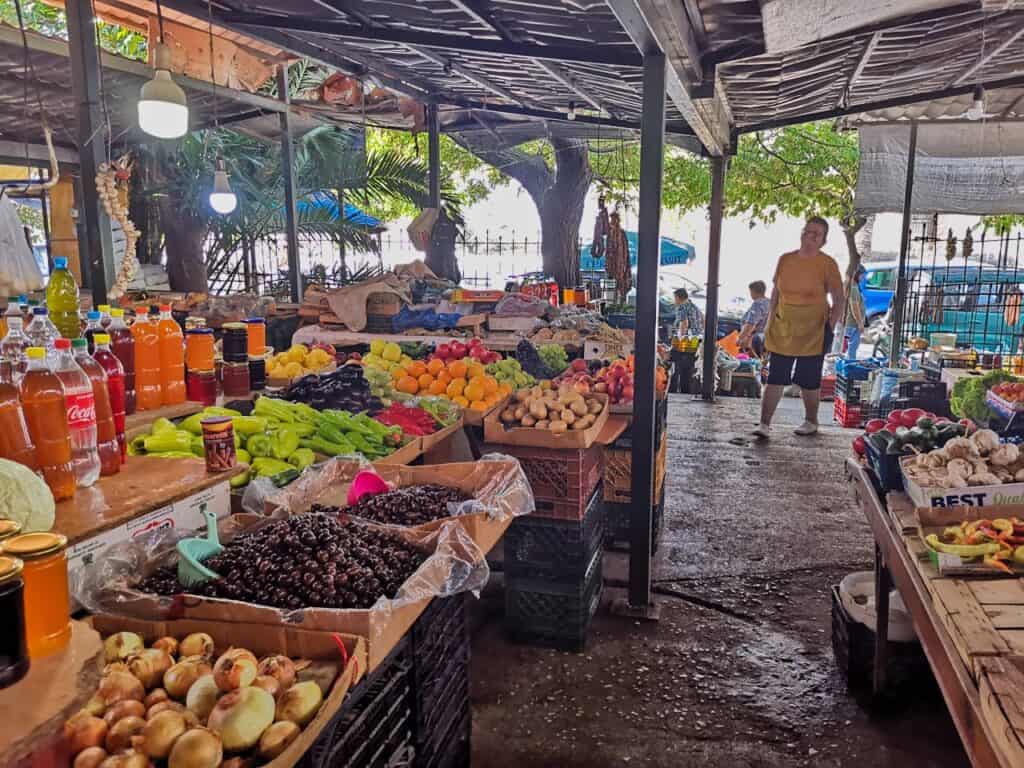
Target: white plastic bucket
x=857, y=592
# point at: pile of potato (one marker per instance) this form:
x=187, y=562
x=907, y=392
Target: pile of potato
x=557, y=411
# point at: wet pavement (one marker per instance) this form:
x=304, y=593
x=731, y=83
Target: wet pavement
x=739, y=671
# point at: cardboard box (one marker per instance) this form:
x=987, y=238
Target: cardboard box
x=600, y=350
x=263, y=641
x=495, y=432
x=427, y=442
x=514, y=323
x=934, y=520
x=407, y=453
x=471, y=418
x=1006, y=494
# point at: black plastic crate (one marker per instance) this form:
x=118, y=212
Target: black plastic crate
x=440, y=628
x=617, y=525
x=923, y=390
x=456, y=749
x=543, y=548
x=374, y=727
x=886, y=467
x=446, y=703
x=625, y=441
x=852, y=391
x=552, y=614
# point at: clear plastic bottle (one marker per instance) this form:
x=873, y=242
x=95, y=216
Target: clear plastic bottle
x=115, y=387
x=62, y=299
x=42, y=398
x=148, y=395
x=122, y=344
x=92, y=327
x=42, y=333
x=12, y=349
x=172, y=358
x=13, y=310
x=107, y=444
x=104, y=310
x=81, y=415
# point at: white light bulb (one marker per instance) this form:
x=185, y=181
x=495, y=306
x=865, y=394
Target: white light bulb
x=222, y=199
x=977, y=110
x=572, y=110
x=163, y=108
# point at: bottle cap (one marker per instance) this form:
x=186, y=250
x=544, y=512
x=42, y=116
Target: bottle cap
x=22, y=298
x=117, y=313
x=101, y=338
x=104, y=308
x=92, y=314
x=79, y=343
x=39, y=311
x=62, y=344
x=61, y=262
x=35, y=353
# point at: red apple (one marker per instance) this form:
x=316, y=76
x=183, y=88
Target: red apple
x=458, y=350
x=444, y=351
x=354, y=356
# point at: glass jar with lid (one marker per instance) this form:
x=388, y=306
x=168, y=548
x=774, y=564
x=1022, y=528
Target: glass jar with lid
x=47, y=600
x=9, y=528
x=13, y=653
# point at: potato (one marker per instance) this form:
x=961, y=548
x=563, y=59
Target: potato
x=595, y=407
x=579, y=407
x=527, y=420
x=508, y=416
x=538, y=410
x=542, y=424
x=579, y=424
x=558, y=427
x=519, y=412
x=522, y=395
x=567, y=416
x=586, y=420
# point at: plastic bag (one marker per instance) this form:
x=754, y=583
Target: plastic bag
x=423, y=318
x=421, y=228
x=521, y=305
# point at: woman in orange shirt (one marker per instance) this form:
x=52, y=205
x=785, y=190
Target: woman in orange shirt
x=800, y=325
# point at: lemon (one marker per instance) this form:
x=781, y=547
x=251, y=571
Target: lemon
x=377, y=347
x=392, y=352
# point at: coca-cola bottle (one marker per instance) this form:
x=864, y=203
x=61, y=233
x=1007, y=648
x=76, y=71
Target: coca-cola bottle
x=81, y=411
x=106, y=432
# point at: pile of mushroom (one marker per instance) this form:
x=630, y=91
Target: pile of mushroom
x=964, y=461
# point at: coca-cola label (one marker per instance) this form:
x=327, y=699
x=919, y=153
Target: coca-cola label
x=81, y=410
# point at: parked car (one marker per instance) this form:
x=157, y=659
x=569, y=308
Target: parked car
x=878, y=285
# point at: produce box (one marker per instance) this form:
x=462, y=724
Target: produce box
x=972, y=496
x=1003, y=407
x=289, y=641
x=932, y=520
x=495, y=432
x=427, y=442
x=606, y=350
x=618, y=473
x=471, y=418
x=514, y=323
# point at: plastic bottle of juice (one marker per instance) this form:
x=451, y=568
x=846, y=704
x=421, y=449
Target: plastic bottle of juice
x=42, y=398
x=115, y=386
x=105, y=318
x=107, y=444
x=15, y=443
x=122, y=344
x=41, y=332
x=172, y=358
x=81, y=415
x=12, y=350
x=148, y=395
x=62, y=299
x=92, y=327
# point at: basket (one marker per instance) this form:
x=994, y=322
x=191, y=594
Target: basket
x=886, y=467
x=617, y=525
x=618, y=473
x=544, y=549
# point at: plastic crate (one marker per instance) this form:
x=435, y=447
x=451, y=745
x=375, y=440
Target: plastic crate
x=562, y=481
x=853, y=646
x=923, y=390
x=440, y=627
x=625, y=440
x=541, y=548
x=886, y=467
x=617, y=525
x=621, y=321
x=847, y=415
x=456, y=749
x=551, y=614
x=828, y=388
x=374, y=727
x=852, y=391
x=618, y=472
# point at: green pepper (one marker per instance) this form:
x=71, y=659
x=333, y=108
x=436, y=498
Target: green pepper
x=249, y=425
x=197, y=446
x=281, y=479
x=191, y=424
x=162, y=425
x=270, y=407
x=237, y=440
x=164, y=442
x=243, y=456
x=302, y=458
x=265, y=467
x=364, y=446
x=259, y=445
x=318, y=444
x=242, y=478
x=283, y=443
x=963, y=550
x=139, y=444
x=216, y=410
x=301, y=429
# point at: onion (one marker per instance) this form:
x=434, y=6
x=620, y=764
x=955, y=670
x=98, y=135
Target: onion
x=179, y=678
x=149, y=665
x=119, y=737
x=197, y=644
x=83, y=731
x=120, y=686
x=126, y=760
x=115, y=666
x=95, y=706
x=280, y=667
x=268, y=684
x=155, y=697
x=202, y=696
x=236, y=668
x=163, y=706
x=241, y=717
x=277, y=737
x=161, y=732
x=196, y=748
x=300, y=703
x=123, y=709
x=237, y=762
x=120, y=645
x=90, y=757
x=168, y=645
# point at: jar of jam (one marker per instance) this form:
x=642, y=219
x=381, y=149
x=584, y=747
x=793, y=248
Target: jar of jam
x=13, y=653
x=47, y=602
x=235, y=379
x=201, y=387
x=199, y=349
x=257, y=334
x=191, y=323
x=257, y=373
x=236, y=343
x=9, y=528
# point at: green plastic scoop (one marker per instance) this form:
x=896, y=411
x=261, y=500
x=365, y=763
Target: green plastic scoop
x=192, y=551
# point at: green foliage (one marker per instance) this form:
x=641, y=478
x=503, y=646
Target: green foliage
x=1002, y=225
x=53, y=22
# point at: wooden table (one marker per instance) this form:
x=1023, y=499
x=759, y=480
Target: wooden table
x=973, y=665
x=139, y=422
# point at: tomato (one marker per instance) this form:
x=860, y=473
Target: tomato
x=874, y=425
x=910, y=416
x=970, y=425
x=896, y=416
x=859, y=446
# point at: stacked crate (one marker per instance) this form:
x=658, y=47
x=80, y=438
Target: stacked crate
x=553, y=558
x=851, y=396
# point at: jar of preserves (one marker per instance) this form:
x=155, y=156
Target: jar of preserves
x=257, y=336
x=236, y=343
x=257, y=373
x=235, y=379
x=201, y=387
x=47, y=602
x=9, y=528
x=13, y=653
x=199, y=349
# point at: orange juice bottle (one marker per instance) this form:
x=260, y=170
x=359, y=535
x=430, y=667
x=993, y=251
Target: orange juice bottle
x=42, y=397
x=147, y=362
x=15, y=442
x=172, y=358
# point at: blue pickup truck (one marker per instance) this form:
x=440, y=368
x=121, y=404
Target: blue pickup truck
x=878, y=285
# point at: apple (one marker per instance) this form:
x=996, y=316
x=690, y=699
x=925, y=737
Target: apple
x=493, y=357
x=444, y=351
x=477, y=352
x=355, y=356
x=579, y=364
x=457, y=350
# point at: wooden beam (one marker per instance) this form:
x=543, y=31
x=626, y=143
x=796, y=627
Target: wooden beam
x=987, y=57
x=696, y=19
x=862, y=62
x=566, y=79
x=468, y=76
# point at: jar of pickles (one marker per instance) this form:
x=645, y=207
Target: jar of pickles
x=199, y=349
x=47, y=602
x=257, y=336
x=13, y=653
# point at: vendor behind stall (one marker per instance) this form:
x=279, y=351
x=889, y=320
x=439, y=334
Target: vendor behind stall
x=689, y=319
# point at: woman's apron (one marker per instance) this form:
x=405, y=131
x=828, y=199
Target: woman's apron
x=797, y=330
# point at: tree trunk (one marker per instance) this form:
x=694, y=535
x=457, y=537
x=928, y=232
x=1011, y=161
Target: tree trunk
x=441, y=251
x=184, y=236
x=562, y=210
x=850, y=229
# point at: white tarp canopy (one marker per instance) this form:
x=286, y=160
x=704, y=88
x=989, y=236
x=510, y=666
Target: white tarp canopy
x=973, y=168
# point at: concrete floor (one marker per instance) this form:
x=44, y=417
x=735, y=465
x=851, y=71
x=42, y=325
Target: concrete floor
x=739, y=671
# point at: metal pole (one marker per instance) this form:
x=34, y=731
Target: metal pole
x=341, y=242
x=96, y=251
x=434, y=156
x=710, y=355
x=288, y=169
x=652, y=145
x=901, y=276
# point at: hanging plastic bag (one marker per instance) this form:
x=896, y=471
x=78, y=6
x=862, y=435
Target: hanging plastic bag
x=422, y=227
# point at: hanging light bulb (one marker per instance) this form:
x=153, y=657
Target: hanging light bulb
x=163, y=109
x=571, y=114
x=977, y=110
x=222, y=199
